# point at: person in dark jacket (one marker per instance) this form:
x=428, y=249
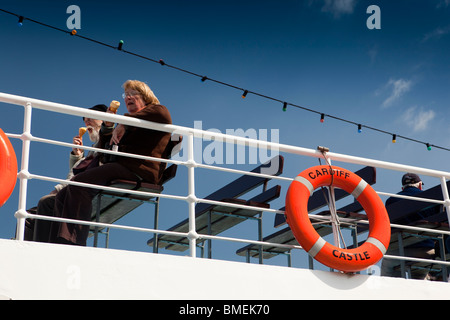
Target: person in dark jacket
x=412, y=185
x=75, y=202
x=38, y=230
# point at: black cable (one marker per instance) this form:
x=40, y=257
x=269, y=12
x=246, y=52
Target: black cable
x=205, y=78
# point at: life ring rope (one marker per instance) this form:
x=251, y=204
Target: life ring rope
x=348, y=260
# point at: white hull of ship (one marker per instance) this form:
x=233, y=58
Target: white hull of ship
x=31, y=270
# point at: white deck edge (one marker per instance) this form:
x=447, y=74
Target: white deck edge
x=30, y=270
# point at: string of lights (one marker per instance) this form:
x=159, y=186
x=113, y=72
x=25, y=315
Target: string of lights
x=245, y=92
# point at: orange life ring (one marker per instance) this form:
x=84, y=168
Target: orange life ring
x=8, y=168
x=347, y=260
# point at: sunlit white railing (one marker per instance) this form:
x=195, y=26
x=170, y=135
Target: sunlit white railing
x=191, y=198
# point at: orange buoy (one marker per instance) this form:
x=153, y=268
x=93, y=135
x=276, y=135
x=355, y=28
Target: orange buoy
x=8, y=168
x=347, y=260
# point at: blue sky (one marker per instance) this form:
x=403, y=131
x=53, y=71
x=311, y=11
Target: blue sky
x=318, y=54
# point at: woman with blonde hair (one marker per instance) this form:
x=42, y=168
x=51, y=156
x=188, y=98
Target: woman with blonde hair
x=144, y=90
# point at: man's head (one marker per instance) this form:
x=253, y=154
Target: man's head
x=93, y=125
x=411, y=180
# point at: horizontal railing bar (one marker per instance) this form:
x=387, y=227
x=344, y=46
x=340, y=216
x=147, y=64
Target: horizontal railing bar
x=171, y=161
x=393, y=225
x=185, y=163
x=13, y=135
x=118, y=153
x=411, y=197
x=82, y=112
x=388, y=256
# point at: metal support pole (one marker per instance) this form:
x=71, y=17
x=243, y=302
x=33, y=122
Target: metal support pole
x=401, y=251
x=447, y=208
x=193, y=236
x=443, y=258
x=107, y=238
x=156, y=225
x=260, y=238
x=97, y=219
x=24, y=174
x=310, y=262
x=210, y=233
x=289, y=259
x=446, y=197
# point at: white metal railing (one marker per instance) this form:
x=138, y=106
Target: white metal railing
x=24, y=175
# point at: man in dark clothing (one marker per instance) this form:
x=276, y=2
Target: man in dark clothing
x=38, y=230
x=411, y=186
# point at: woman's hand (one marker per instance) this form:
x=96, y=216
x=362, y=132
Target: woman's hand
x=117, y=134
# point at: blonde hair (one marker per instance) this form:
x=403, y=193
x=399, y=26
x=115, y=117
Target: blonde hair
x=141, y=87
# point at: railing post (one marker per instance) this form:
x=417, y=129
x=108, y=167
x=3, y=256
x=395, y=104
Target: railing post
x=446, y=197
x=193, y=236
x=24, y=174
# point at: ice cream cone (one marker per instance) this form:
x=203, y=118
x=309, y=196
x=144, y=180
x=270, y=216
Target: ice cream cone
x=81, y=131
x=114, y=105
